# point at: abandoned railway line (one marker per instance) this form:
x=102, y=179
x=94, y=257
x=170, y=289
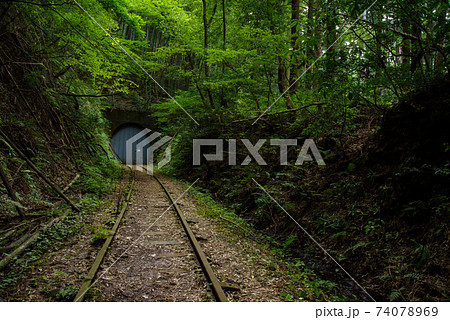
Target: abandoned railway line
x=162, y=245
x=159, y=245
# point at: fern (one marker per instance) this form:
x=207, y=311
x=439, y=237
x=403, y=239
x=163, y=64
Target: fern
x=395, y=294
x=415, y=276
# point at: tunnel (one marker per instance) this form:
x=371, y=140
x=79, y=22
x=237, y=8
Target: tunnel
x=119, y=138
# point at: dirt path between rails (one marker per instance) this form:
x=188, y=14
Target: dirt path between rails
x=159, y=264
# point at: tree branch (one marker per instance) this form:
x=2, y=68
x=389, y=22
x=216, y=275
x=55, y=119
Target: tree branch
x=87, y=95
x=41, y=4
x=284, y=111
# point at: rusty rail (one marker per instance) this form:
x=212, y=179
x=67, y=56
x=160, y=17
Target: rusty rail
x=101, y=254
x=213, y=282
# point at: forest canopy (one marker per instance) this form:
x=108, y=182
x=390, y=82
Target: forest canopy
x=233, y=59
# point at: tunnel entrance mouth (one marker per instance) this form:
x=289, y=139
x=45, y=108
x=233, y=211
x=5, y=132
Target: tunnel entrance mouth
x=119, y=139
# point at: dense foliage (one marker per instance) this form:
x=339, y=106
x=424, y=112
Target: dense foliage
x=325, y=69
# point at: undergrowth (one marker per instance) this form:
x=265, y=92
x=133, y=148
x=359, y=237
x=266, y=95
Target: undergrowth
x=304, y=282
x=97, y=180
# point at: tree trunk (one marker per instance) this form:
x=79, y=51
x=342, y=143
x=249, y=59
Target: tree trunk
x=205, y=47
x=283, y=81
x=406, y=45
x=205, y=38
x=224, y=25
x=295, y=45
x=223, y=100
x=313, y=32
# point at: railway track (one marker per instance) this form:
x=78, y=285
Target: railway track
x=145, y=248
x=208, y=271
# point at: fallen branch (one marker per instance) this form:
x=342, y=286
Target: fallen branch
x=70, y=184
x=6, y=235
x=5, y=261
x=16, y=243
x=32, y=63
x=233, y=223
x=113, y=152
x=39, y=173
x=13, y=229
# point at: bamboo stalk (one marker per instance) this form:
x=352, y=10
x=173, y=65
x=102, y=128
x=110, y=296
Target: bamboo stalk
x=14, y=228
x=5, y=261
x=39, y=173
x=6, y=235
x=11, y=191
x=16, y=243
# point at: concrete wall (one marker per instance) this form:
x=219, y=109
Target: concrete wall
x=121, y=117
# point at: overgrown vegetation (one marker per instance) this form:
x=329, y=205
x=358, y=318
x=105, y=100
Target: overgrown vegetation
x=374, y=98
x=304, y=282
x=61, y=133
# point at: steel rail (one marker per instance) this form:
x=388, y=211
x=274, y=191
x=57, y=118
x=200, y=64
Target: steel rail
x=213, y=282
x=101, y=254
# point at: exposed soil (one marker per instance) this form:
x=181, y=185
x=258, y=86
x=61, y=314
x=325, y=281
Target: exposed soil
x=387, y=218
x=380, y=206
x=151, y=258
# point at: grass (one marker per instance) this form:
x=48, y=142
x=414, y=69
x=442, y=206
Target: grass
x=304, y=283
